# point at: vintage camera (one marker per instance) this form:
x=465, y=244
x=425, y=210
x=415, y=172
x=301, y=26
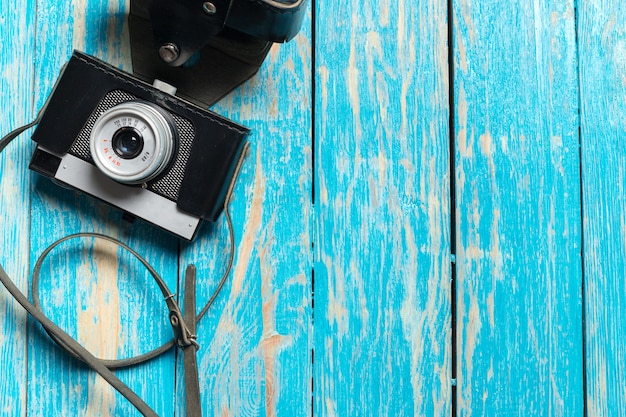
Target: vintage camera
x=137, y=147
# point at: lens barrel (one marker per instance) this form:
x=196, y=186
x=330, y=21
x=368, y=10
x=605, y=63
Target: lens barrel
x=133, y=142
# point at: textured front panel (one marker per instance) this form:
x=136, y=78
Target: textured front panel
x=166, y=185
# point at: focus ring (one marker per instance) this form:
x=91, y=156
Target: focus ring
x=152, y=125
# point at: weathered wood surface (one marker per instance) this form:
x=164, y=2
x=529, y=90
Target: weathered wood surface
x=16, y=109
x=345, y=298
x=382, y=271
x=602, y=46
x=518, y=248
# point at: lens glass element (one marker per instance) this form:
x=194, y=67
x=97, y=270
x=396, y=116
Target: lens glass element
x=127, y=142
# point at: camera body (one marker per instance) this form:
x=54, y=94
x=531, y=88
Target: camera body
x=137, y=147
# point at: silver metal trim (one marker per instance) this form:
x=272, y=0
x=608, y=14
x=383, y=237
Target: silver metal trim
x=138, y=201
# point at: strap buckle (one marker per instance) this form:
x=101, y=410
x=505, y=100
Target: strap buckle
x=182, y=334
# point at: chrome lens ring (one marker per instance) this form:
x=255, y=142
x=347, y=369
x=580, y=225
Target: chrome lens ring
x=152, y=125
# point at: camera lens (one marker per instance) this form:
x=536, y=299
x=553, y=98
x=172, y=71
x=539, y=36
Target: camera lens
x=127, y=142
x=133, y=142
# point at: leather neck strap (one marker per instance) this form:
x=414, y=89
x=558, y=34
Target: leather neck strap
x=192, y=383
x=184, y=327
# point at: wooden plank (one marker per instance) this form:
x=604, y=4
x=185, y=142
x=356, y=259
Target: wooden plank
x=255, y=356
x=518, y=262
x=16, y=73
x=602, y=53
x=98, y=294
x=382, y=274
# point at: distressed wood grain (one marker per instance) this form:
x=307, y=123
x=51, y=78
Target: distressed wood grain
x=602, y=40
x=255, y=357
x=518, y=218
x=17, y=22
x=382, y=248
x=353, y=114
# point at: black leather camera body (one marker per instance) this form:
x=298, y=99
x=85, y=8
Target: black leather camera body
x=137, y=147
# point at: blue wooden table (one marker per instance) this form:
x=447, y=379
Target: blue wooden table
x=431, y=221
